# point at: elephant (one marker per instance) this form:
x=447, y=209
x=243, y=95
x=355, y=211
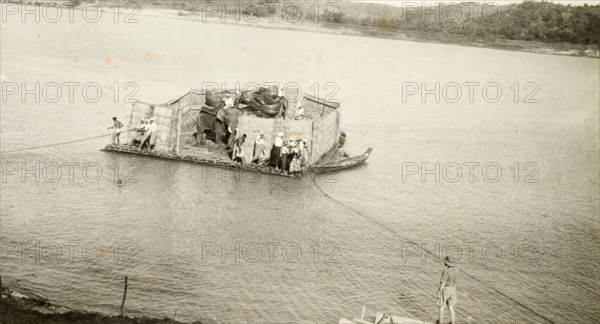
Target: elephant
x=262, y=104
x=218, y=121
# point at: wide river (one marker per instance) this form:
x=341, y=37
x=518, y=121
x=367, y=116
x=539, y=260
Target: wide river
x=200, y=244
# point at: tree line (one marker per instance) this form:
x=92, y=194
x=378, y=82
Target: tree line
x=539, y=21
x=529, y=20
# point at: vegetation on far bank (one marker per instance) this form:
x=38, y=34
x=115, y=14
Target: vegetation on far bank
x=529, y=25
x=528, y=21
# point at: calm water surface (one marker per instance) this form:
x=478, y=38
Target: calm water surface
x=352, y=254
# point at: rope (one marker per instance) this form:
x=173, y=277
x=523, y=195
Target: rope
x=429, y=252
x=63, y=143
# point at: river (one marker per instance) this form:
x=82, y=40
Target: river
x=199, y=243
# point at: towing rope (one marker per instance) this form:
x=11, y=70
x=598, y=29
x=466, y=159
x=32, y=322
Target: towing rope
x=63, y=143
x=330, y=198
x=427, y=251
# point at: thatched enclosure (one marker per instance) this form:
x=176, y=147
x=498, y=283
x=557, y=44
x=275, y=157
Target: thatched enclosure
x=176, y=121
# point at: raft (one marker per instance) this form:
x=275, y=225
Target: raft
x=176, y=122
x=213, y=160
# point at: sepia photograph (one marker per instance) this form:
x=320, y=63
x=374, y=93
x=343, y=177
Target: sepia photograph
x=300, y=161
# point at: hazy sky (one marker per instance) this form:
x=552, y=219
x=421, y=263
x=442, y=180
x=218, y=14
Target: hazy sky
x=399, y=2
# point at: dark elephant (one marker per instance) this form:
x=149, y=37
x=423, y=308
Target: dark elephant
x=222, y=123
x=263, y=104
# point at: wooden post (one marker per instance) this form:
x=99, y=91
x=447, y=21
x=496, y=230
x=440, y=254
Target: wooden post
x=312, y=145
x=179, y=129
x=124, y=296
x=129, y=127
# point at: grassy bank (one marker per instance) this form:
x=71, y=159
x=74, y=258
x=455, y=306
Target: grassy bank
x=19, y=309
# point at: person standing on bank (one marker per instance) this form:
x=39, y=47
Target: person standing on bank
x=446, y=294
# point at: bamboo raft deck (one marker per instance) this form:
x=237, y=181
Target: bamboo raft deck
x=200, y=155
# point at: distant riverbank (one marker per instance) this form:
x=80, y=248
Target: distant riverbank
x=406, y=35
x=387, y=29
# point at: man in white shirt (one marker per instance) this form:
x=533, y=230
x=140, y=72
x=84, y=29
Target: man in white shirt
x=299, y=112
x=140, y=128
x=228, y=101
x=150, y=133
x=276, y=150
x=260, y=150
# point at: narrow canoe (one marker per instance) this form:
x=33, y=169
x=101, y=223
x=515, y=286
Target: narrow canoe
x=342, y=164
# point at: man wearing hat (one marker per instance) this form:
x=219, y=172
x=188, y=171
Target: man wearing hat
x=150, y=133
x=260, y=150
x=140, y=129
x=446, y=294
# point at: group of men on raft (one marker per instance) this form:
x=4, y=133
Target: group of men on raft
x=289, y=157
x=145, y=132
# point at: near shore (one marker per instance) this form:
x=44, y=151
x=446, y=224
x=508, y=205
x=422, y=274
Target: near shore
x=20, y=309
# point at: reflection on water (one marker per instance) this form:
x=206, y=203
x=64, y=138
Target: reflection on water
x=211, y=244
